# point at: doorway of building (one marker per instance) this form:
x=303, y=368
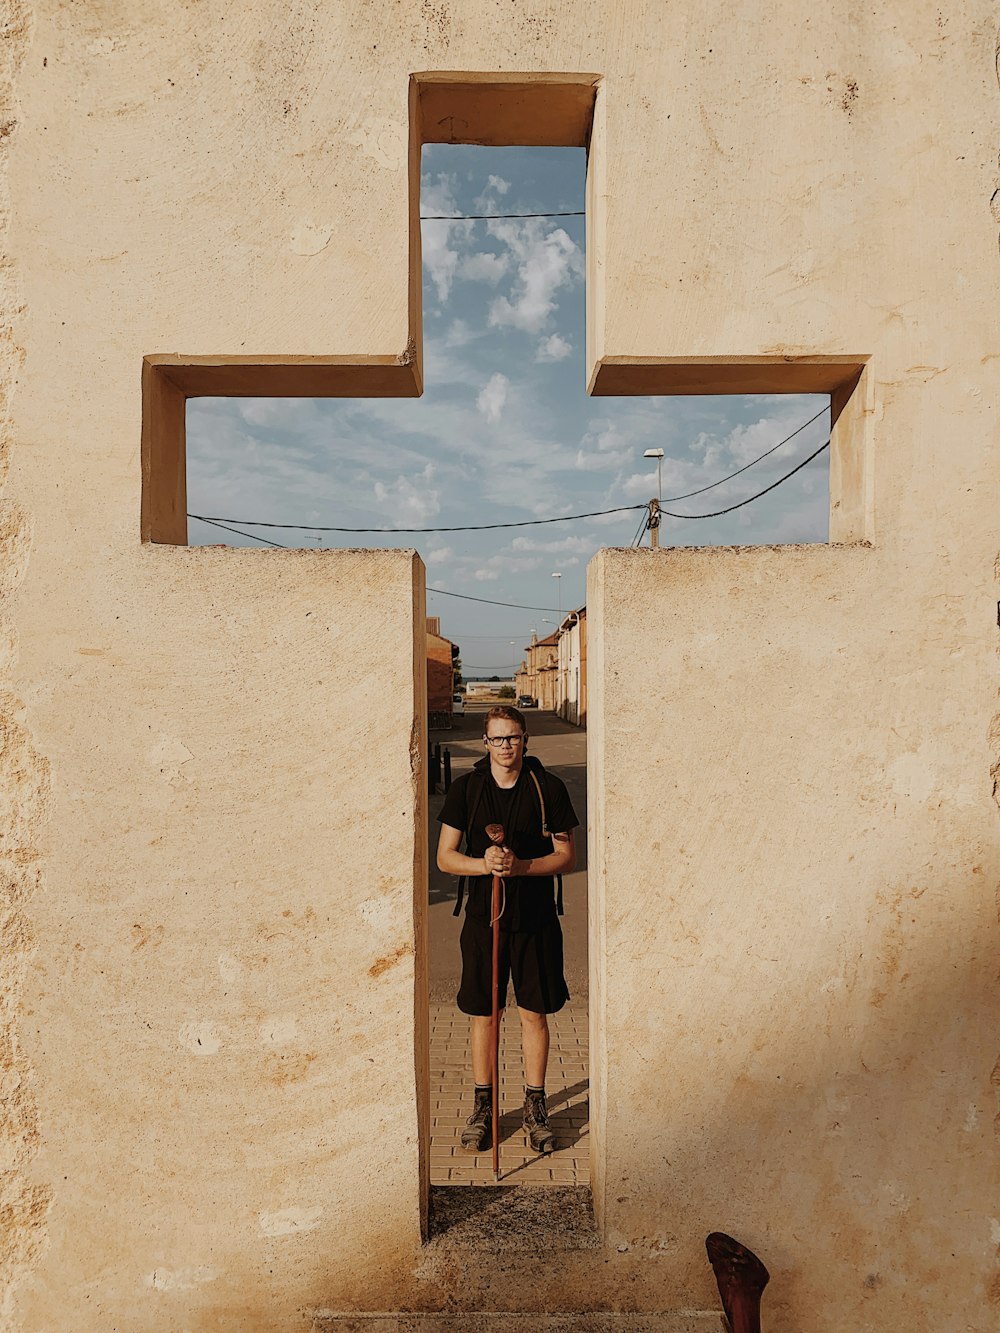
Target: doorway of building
x=562, y=748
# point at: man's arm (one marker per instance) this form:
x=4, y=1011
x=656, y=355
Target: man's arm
x=560, y=861
x=497, y=860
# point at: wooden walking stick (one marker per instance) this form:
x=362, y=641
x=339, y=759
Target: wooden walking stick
x=741, y=1278
x=495, y=834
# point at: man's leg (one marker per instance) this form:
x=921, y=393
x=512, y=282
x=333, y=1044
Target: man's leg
x=475, y=994
x=535, y=1046
x=540, y=990
x=482, y=1050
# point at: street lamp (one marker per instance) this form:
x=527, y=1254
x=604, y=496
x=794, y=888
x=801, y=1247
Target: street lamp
x=658, y=455
x=653, y=521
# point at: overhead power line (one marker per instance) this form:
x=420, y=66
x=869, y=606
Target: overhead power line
x=217, y=523
x=222, y=521
x=670, y=499
x=750, y=498
x=442, y=592
x=489, y=602
x=490, y=217
x=462, y=527
x=228, y=525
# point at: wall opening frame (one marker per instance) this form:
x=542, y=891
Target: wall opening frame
x=503, y=110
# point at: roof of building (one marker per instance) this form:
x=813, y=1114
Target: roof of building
x=549, y=641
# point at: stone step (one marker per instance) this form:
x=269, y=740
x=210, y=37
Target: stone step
x=563, y=1321
x=513, y=1219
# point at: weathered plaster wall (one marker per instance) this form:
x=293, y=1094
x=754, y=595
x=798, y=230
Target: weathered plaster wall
x=796, y=864
x=24, y=773
x=222, y=1007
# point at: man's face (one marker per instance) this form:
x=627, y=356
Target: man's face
x=505, y=742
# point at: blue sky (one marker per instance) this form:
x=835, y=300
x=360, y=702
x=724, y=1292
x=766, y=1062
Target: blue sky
x=505, y=430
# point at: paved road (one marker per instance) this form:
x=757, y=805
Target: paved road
x=561, y=747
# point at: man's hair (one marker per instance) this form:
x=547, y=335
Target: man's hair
x=507, y=711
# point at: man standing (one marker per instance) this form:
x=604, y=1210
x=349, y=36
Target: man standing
x=510, y=788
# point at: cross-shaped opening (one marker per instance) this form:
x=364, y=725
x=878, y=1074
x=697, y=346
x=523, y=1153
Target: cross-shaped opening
x=556, y=110
x=498, y=110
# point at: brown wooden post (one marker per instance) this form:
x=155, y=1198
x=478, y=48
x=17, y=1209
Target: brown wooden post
x=495, y=834
x=741, y=1278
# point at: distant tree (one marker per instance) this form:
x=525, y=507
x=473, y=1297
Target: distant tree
x=456, y=667
x=506, y=692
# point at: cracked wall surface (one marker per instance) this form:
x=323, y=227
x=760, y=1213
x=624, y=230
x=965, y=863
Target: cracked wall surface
x=213, y=1005
x=24, y=772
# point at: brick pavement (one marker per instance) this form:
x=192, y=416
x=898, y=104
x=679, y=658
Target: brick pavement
x=567, y=1095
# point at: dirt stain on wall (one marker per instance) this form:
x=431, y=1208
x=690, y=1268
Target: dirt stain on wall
x=389, y=960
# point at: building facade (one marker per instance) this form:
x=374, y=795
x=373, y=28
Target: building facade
x=213, y=973
x=538, y=674
x=571, y=694
x=441, y=654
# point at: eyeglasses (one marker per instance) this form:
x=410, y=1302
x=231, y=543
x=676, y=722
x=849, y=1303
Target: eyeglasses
x=497, y=741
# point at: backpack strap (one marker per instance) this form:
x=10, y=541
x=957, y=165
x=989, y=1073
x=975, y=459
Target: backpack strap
x=546, y=834
x=478, y=782
x=541, y=801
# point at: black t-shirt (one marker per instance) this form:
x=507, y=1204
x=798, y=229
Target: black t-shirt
x=530, y=899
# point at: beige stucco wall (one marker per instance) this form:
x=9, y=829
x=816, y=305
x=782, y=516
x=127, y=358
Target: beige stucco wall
x=217, y=967
x=797, y=871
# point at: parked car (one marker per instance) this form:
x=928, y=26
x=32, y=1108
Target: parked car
x=525, y=701
x=458, y=705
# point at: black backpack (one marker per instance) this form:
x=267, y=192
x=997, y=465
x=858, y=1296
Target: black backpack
x=473, y=796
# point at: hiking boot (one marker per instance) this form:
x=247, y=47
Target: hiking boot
x=536, y=1122
x=476, y=1135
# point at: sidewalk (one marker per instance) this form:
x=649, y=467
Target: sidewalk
x=567, y=1096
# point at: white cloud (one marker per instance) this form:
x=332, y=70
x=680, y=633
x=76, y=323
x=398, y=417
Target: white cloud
x=514, y=564
x=484, y=267
x=579, y=544
x=438, y=555
x=486, y=575
x=606, y=449
x=485, y=203
x=639, y=486
x=440, y=253
x=404, y=503
x=746, y=442
x=493, y=396
x=547, y=260
x=553, y=348
x=437, y=194
x=457, y=335
x=287, y=414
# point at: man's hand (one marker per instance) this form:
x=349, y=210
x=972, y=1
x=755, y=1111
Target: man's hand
x=560, y=861
x=498, y=860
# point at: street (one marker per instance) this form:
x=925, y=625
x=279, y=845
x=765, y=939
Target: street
x=562, y=748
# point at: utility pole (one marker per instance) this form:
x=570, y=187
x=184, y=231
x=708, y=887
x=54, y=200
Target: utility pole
x=654, y=505
x=654, y=522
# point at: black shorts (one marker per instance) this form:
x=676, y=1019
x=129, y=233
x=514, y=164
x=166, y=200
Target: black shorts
x=534, y=960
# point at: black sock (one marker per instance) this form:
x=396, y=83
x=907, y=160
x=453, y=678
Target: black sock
x=483, y=1087
x=529, y=1091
